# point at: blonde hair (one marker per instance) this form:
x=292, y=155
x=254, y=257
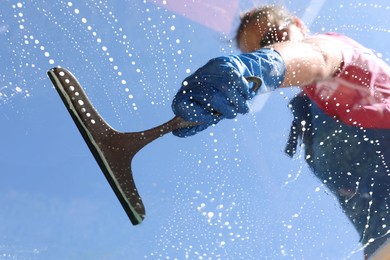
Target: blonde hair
x=277, y=16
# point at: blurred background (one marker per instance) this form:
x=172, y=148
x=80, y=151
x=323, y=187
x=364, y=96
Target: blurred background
x=229, y=192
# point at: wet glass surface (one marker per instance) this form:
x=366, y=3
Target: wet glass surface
x=231, y=192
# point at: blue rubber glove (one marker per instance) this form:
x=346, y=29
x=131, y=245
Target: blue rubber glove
x=219, y=89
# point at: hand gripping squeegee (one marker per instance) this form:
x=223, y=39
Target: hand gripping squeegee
x=113, y=150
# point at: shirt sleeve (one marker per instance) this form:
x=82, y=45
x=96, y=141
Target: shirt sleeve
x=360, y=92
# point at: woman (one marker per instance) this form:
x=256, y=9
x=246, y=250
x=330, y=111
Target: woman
x=339, y=79
x=345, y=79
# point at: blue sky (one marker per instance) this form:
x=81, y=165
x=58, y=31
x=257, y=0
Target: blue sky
x=229, y=192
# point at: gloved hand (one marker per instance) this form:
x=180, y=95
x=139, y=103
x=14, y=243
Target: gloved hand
x=219, y=89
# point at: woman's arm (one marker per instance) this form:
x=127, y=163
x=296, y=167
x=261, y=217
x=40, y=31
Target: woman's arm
x=310, y=60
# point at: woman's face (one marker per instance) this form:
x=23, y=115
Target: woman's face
x=260, y=33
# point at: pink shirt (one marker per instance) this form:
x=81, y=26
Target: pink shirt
x=359, y=94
